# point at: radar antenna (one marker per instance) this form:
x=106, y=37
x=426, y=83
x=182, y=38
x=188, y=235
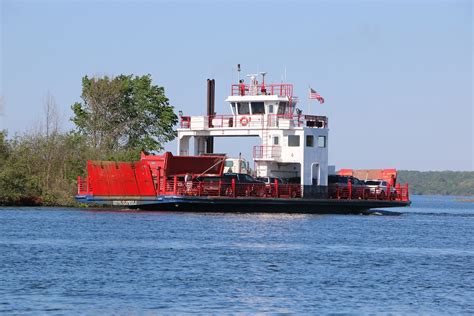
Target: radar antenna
x=263, y=73
x=238, y=73
x=263, y=89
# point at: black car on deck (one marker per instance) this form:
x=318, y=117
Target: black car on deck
x=245, y=185
x=338, y=187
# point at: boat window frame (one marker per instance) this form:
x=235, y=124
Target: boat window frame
x=276, y=140
x=322, y=141
x=233, y=108
x=270, y=109
x=294, y=141
x=240, y=106
x=282, y=108
x=257, y=103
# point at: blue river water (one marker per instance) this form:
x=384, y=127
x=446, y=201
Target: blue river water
x=80, y=261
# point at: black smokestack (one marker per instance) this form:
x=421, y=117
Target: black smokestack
x=210, y=112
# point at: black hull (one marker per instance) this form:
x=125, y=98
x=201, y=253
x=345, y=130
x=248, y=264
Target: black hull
x=250, y=205
x=242, y=204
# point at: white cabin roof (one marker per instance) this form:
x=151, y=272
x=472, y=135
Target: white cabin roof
x=249, y=98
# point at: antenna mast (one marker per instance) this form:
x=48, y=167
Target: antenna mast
x=238, y=73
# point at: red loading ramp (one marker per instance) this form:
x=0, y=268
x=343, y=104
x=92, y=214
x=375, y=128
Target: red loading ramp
x=108, y=178
x=196, y=165
x=145, y=177
x=209, y=165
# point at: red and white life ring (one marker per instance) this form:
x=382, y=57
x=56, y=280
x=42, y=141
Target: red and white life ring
x=244, y=121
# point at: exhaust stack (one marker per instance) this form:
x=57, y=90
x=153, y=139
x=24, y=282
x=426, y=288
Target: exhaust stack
x=211, y=87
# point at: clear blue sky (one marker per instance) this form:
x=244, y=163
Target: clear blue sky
x=397, y=76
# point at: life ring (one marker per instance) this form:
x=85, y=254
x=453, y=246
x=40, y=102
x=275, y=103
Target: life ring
x=244, y=121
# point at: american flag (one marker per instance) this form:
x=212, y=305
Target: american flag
x=314, y=95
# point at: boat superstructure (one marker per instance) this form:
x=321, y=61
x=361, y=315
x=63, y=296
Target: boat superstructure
x=293, y=145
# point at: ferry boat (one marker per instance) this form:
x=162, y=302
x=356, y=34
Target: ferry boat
x=293, y=153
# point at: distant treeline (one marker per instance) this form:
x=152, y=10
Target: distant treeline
x=438, y=182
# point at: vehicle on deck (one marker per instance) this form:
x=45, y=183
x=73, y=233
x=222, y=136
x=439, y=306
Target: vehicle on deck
x=236, y=165
x=337, y=179
x=347, y=187
x=240, y=178
x=270, y=183
x=245, y=185
x=379, y=188
x=269, y=180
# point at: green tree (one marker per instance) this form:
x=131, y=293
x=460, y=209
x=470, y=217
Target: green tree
x=17, y=184
x=4, y=148
x=124, y=113
x=40, y=169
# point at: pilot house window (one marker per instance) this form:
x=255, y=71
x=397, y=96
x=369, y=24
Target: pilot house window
x=243, y=108
x=282, y=108
x=309, y=140
x=258, y=108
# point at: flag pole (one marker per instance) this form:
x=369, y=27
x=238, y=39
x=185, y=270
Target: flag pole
x=309, y=99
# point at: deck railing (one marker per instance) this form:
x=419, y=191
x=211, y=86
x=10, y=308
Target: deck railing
x=361, y=192
x=238, y=121
x=219, y=188
x=280, y=89
x=83, y=186
x=256, y=121
x=185, y=121
x=174, y=186
x=266, y=152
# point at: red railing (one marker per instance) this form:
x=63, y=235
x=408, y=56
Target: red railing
x=361, y=192
x=185, y=122
x=266, y=152
x=174, y=186
x=83, y=187
x=282, y=89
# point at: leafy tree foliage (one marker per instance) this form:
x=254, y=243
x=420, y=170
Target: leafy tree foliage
x=40, y=169
x=4, y=148
x=124, y=113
